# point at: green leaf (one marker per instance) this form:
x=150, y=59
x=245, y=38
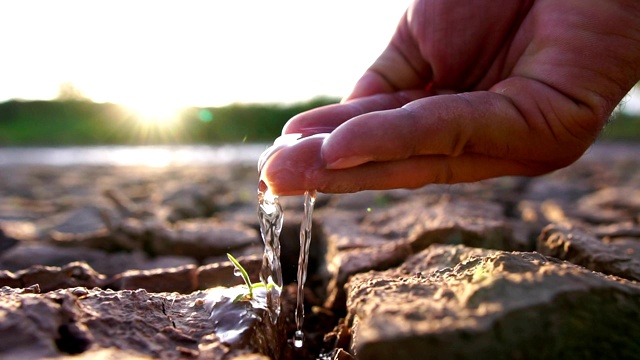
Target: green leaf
x=272, y=285
x=241, y=297
x=257, y=285
x=245, y=276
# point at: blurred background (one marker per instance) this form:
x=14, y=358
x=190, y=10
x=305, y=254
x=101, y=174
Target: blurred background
x=164, y=73
x=155, y=73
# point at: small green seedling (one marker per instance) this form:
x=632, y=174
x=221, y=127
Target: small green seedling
x=247, y=281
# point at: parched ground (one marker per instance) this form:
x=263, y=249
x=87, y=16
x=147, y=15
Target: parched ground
x=116, y=262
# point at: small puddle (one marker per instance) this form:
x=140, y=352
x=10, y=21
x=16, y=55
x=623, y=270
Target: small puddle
x=230, y=319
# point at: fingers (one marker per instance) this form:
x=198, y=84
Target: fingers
x=401, y=66
x=440, y=139
x=279, y=143
x=483, y=123
x=390, y=73
x=428, y=141
x=292, y=169
x=325, y=119
x=285, y=174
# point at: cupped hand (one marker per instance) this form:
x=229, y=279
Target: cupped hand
x=469, y=90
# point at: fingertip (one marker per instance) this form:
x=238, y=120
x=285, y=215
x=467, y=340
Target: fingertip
x=280, y=142
x=370, y=83
x=323, y=119
x=291, y=170
x=279, y=180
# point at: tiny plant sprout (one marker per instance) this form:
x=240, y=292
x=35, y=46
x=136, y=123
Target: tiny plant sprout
x=247, y=281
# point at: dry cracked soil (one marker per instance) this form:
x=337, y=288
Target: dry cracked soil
x=107, y=262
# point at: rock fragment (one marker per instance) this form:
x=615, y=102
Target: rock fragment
x=359, y=242
x=579, y=246
x=355, y=261
x=133, y=324
x=50, y=278
x=202, y=238
x=182, y=279
x=501, y=305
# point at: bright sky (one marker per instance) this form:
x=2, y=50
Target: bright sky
x=164, y=55
x=191, y=53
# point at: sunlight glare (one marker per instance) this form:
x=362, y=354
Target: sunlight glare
x=157, y=120
x=154, y=112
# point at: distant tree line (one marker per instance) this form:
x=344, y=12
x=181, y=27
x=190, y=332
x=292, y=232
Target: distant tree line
x=79, y=122
x=73, y=121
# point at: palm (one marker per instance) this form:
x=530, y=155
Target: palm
x=460, y=51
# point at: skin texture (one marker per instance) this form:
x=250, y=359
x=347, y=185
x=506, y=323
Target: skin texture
x=469, y=90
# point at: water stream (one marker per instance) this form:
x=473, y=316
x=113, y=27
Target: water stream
x=303, y=261
x=271, y=218
x=270, y=215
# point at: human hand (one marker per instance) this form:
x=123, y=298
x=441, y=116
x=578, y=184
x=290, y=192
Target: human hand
x=469, y=90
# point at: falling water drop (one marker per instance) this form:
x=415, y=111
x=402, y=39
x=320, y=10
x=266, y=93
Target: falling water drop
x=298, y=339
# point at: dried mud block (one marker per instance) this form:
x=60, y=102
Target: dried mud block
x=99, y=239
x=222, y=273
x=191, y=201
x=579, y=246
x=472, y=223
x=201, y=239
x=182, y=279
x=84, y=219
x=350, y=250
x=610, y=205
x=342, y=231
x=618, y=230
x=437, y=257
x=358, y=243
x=350, y=262
x=50, y=278
x=29, y=325
x=12, y=232
x=28, y=254
x=502, y=305
x=134, y=324
x=108, y=263
x=7, y=278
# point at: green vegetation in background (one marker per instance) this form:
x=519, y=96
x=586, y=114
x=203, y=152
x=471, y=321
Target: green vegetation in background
x=81, y=122
x=77, y=122
x=622, y=127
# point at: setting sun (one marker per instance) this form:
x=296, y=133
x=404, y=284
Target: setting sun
x=154, y=113
x=154, y=119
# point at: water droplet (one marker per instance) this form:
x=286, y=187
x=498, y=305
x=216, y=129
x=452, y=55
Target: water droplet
x=237, y=272
x=298, y=339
